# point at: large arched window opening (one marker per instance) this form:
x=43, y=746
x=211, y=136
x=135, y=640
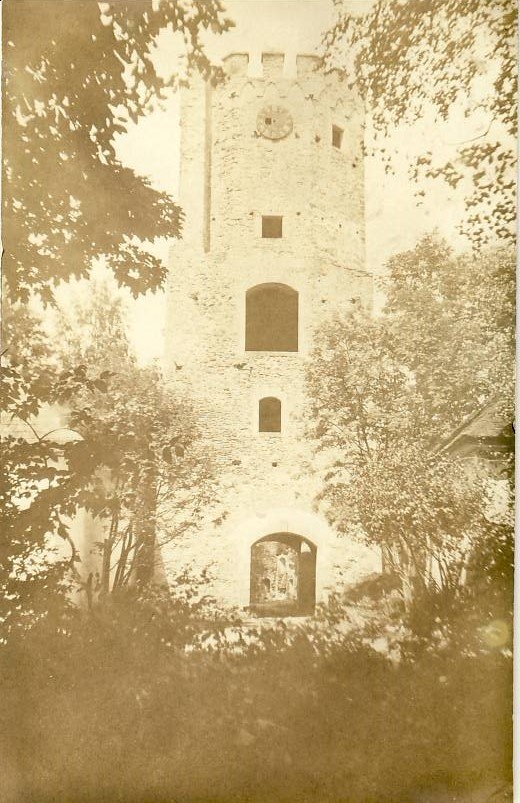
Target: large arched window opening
x=272, y=318
x=283, y=576
x=269, y=414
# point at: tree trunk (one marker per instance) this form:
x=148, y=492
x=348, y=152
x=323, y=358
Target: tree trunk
x=145, y=533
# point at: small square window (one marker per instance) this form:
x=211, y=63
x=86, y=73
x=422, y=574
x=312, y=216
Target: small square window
x=337, y=136
x=271, y=226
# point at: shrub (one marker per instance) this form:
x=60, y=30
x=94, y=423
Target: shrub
x=130, y=703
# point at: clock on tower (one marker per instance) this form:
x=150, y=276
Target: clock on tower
x=274, y=122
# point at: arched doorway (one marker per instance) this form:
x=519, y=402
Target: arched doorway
x=283, y=575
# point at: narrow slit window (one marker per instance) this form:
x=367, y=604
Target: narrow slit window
x=270, y=415
x=271, y=226
x=337, y=136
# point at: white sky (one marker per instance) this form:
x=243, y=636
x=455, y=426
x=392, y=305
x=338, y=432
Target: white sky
x=394, y=220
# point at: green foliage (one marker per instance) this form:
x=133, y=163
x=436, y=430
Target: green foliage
x=33, y=501
x=141, y=447
x=411, y=59
x=442, y=347
x=129, y=706
x=67, y=92
x=387, y=391
x=126, y=450
x=454, y=322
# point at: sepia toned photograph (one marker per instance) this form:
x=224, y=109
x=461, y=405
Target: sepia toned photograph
x=258, y=401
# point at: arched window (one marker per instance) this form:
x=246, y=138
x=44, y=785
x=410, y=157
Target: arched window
x=271, y=318
x=270, y=415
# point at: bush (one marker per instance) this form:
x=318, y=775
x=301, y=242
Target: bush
x=126, y=703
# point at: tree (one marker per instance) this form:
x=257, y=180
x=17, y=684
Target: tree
x=453, y=321
x=147, y=476
x=34, y=497
x=381, y=480
x=442, y=346
x=415, y=57
x=386, y=391
x=67, y=92
x=127, y=450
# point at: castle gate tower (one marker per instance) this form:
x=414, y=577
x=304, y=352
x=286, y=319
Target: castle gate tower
x=272, y=189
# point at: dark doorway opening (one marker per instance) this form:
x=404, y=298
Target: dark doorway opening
x=283, y=576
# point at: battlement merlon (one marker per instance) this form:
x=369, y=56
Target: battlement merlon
x=274, y=66
x=236, y=64
x=307, y=65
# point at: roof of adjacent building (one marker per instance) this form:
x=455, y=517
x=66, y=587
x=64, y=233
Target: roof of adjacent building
x=488, y=433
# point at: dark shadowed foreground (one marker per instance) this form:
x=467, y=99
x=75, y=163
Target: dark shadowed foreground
x=164, y=701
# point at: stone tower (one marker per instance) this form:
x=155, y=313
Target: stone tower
x=272, y=189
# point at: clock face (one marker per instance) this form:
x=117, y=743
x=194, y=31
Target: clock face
x=274, y=122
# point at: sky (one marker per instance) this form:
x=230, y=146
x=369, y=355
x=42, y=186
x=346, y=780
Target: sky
x=395, y=220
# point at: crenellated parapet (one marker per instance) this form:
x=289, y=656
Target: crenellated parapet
x=287, y=74
x=275, y=66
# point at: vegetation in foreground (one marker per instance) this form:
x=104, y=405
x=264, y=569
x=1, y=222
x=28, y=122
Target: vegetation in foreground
x=159, y=699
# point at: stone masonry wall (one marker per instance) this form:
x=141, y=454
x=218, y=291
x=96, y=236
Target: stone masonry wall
x=230, y=177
